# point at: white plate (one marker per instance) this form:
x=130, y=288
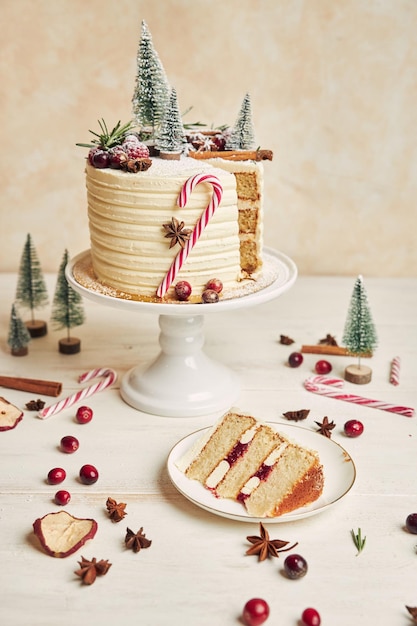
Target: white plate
x=339, y=476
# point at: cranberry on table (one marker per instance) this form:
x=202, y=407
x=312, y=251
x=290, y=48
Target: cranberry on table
x=353, y=428
x=295, y=566
x=295, y=359
x=411, y=523
x=255, y=612
x=88, y=474
x=69, y=444
x=84, y=415
x=310, y=617
x=62, y=497
x=56, y=475
x=183, y=290
x=323, y=367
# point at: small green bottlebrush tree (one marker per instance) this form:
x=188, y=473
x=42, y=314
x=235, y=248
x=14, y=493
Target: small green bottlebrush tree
x=171, y=137
x=242, y=136
x=19, y=336
x=67, y=310
x=151, y=93
x=31, y=292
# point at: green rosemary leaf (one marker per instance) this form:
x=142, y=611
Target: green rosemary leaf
x=358, y=540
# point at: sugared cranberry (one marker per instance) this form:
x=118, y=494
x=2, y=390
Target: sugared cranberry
x=295, y=359
x=295, y=566
x=88, y=474
x=209, y=296
x=411, y=523
x=183, y=290
x=101, y=159
x=255, y=612
x=84, y=415
x=310, y=617
x=353, y=428
x=62, y=497
x=323, y=367
x=56, y=475
x=69, y=444
x=215, y=284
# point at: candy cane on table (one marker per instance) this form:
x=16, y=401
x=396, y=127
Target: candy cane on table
x=199, y=227
x=395, y=371
x=109, y=377
x=322, y=384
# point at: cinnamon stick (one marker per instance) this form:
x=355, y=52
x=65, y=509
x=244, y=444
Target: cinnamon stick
x=234, y=155
x=334, y=350
x=41, y=387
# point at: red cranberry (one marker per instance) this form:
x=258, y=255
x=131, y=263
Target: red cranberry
x=84, y=415
x=56, y=475
x=411, y=523
x=209, y=296
x=310, y=617
x=353, y=428
x=255, y=612
x=323, y=367
x=62, y=497
x=69, y=444
x=295, y=359
x=183, y=290
x=215, y=285
x=88, y=474
x=295, y=566
x=101, y=159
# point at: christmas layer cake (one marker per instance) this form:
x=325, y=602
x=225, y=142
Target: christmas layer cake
x=246, y=460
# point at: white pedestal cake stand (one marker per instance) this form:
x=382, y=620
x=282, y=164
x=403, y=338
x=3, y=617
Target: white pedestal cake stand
x=183, y=381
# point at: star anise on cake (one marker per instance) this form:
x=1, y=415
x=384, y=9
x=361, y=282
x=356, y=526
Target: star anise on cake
x=136, y=541
x=89, y=570
x=265, y=547
x=176, y=232
x=325, y=427
x=116, y=510
x=413, y=612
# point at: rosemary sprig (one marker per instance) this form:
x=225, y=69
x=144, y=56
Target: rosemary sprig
x=358, y=540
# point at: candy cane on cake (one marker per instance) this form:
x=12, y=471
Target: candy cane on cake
x=109, y=377
x=395, y=371
x=199, y=227
x=322, y=384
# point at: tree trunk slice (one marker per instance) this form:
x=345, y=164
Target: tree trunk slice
x=71, y=345
x=358, y=375
x=36, y=328
x=20, y=351
x=170, y=156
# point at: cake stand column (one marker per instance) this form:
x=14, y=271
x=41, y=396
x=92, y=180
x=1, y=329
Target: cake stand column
x=182, y=381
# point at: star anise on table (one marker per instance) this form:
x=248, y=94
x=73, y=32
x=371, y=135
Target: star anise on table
x=413, y=612
x=325, y=427
x=285, y=340
x=116, y=510
x=136, y=541
x=176, y=232
x=265, y=547
x=35, y=405
x=296, y=416
x=328, y=340
x=89, y=570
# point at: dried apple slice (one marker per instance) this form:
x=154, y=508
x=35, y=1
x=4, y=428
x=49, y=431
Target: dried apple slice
x=62, y=534
x=10, y=415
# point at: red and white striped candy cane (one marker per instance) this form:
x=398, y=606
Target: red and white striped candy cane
x=395, y=371
x=199, y=227
x=109, y=377
x=322, y=384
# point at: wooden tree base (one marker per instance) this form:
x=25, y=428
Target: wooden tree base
x=71, y=345
x=358, y=375
x=20, y=351
x=37, y=328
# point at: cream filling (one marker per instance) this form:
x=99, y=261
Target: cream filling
x=223, y=467
x=254, y=481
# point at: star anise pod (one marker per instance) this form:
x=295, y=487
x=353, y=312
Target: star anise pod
x=35, y=405
x=176, y=232
x=325, y=427
x=116, y=510
x=328, y=340
x=265, y=547
x=413, y=612
x=136, y=541
x=296, y=416
x=136, y=165
x=89, y=570
x=286, y=341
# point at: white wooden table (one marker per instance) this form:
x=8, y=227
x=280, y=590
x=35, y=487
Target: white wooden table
x=196, y=571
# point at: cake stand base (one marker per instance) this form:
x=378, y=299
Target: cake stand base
x=183, y=381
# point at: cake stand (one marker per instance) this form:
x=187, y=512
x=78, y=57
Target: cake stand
x=183, y=381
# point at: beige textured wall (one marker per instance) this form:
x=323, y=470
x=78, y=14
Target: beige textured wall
x=334, y=95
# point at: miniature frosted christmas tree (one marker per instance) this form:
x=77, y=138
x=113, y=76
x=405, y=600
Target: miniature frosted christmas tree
x=31, y=290
x=359, y=335
x=242, y=135
x=171, y=138
x=151, y=92
x=19, y=336
x=67, y=310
